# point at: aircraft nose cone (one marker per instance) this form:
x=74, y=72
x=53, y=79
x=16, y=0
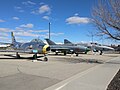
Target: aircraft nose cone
x=112, y=49
x=46, y=48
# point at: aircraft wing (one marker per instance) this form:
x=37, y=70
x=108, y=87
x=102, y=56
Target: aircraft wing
x=19, y=51
x=61, y=48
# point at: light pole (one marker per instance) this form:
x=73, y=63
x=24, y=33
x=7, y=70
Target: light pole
x=49, y=30
x=92, y=37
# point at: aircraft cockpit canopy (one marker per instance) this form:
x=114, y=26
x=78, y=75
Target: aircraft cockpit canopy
x=37, y=40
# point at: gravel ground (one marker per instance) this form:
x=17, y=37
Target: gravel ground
x=115, y=83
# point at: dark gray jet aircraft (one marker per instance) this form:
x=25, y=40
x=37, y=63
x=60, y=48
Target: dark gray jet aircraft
x=66, y=48
x=36, y=46
x=93, y=46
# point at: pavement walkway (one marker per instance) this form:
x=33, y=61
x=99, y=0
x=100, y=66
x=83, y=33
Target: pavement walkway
x=95, y=78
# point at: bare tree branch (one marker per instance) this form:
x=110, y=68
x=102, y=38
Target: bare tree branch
x=106, y=17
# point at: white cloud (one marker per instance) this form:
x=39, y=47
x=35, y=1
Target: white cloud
x=5, y=30
x=16, y=7
x=3, y=34
x=2, y=20
x=15, y=18
x=42, y=3
x=30, y=34
x=46, y=17
x=21, y=31
x=38, y=31
x=28, y=3
x=19, y=28
x=32, y=3
x=34, y=12
x=77, y=20
x=29, y=25
x=44, y=9
x=25, y=30
x=55, y=34
x=26, y=33
x=3, y=39
x=52, y=34
x=76, y=14
x=19, y=9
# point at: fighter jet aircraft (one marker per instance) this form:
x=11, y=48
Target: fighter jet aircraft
x=66, y=48
x=36, y=46
x=93, y=46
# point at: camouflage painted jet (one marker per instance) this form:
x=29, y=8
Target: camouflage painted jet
x=67, y=48
x=36, y=46
x=93, y=46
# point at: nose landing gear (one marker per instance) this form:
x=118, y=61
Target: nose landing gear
x=45, y=58
x=35, y=57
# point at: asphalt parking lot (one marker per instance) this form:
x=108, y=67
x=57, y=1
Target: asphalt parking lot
x=23, y=74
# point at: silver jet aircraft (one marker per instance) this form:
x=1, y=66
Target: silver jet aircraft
x=36, y=46
x=67, y=48
x=93, y=46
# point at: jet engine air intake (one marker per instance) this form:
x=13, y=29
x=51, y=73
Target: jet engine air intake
x=45, y=49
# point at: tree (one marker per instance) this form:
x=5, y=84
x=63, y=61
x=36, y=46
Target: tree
x=106, y=17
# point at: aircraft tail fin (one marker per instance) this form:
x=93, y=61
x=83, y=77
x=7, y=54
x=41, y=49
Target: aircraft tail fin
x=13, y=38
x=67, y=41
x=50, y=42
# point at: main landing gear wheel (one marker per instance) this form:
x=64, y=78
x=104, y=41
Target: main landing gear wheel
x=76, y=54
x=45, y=59
x=17, y=55
x=35, y=56
x=101, y=52
x=65, y=53
x=56, y=53
x=85, y=52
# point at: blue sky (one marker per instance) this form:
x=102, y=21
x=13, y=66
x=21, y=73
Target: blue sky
x=28, y=19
